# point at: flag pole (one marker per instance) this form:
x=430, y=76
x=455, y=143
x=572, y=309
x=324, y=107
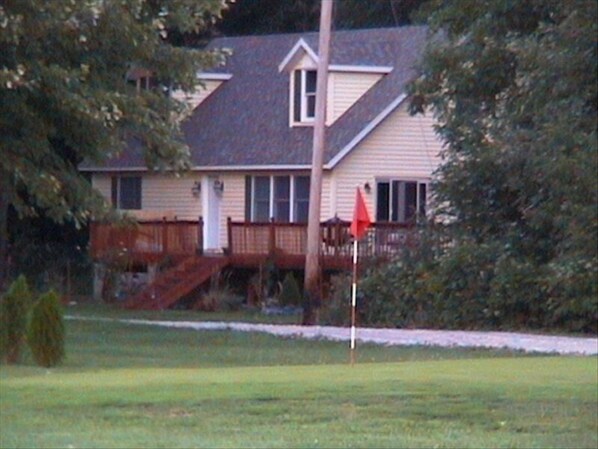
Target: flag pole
x=361, y=221
x=353, y=300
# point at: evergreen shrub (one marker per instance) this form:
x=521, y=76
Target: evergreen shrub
x=290, y=294
x=46, y=331
x=14, y=309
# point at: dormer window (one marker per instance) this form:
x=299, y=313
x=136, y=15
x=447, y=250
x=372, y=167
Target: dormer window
x=141, y=79
x=304, y=96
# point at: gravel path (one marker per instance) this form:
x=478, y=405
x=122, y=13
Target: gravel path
x=401, y=337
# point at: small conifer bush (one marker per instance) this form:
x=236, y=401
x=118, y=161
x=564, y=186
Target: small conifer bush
x=46, y=331
x=290, y=294
x=14, y=309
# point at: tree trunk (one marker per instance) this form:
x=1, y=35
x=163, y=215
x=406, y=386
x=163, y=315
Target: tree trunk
x=312, y=258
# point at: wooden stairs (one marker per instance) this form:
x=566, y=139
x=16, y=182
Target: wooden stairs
x=171, y=285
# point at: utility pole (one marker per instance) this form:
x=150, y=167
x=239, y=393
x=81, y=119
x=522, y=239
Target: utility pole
x=312, y=258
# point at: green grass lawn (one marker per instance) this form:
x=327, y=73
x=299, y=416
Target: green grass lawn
x=94, y=309
x=140, y=386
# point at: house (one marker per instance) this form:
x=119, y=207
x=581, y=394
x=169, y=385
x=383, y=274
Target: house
x=250, y=133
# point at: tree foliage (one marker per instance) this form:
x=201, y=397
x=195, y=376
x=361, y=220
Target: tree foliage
x=46, y=331
x=246, y=17
x=64, y=96
x=14, y=310
x=513, y=86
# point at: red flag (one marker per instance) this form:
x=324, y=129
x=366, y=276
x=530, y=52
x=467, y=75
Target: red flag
x=361, y=217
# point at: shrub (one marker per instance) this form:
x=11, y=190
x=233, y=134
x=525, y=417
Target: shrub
x=46, y=331
x=290, y=294
x=336, y=310
x=14, y=308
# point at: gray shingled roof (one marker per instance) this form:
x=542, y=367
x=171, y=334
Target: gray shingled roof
x=245, y=122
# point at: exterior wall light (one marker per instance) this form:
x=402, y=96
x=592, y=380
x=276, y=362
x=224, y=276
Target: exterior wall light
x=218, y=186
x=196, y=189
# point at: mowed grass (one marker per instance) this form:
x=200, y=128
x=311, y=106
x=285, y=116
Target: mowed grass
x=141, y=386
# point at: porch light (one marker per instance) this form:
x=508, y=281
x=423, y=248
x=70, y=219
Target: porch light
x=218, y=186
x=196, y=189
x=367, y=188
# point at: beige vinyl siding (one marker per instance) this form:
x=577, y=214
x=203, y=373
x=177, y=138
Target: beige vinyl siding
x=161, y=195
x=232, y=204
x=327, y=205
x=165, y=193
x=402, y=146
x=305, y=63
x=344, y=89
x=193, y=99
x=103, y=184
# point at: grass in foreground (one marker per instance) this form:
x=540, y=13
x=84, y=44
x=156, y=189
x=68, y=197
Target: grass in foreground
x=140, y=386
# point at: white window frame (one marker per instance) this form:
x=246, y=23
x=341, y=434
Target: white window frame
x=292, y=197
x=391, y=202
x=304, y=119
x=116, y=191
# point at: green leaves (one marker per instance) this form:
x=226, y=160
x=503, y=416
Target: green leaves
x=513, y=86
x=46, y=331
x=14, y=309
x=64, y=96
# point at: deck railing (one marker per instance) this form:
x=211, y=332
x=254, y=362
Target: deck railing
x=146, y=241
x=150, y=241
x=381, y=239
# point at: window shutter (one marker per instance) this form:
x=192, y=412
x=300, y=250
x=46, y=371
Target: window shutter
x=247, y=198
x=114, y=191
x=382, y=201
x=422, y=200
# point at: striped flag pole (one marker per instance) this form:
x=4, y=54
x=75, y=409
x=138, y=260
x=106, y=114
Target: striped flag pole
x=353, y=301
x=361, y=221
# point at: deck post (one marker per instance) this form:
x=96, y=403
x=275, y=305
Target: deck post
x=272, y=237
x=337, y=237
x=200, y=235
x=164, y=237
x=229, y=232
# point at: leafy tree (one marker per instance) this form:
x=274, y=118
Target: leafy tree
x=46, y=331
x=64, y=95
x=513, y=86
x=287, y=16
x=14, y=309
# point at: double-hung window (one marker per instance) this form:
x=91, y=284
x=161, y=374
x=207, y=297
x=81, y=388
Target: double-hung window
x=304, y=96
x=126, y=192
x=400, y=201
x=281, y=198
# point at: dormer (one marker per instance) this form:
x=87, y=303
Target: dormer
x=301, y=64
x=346, y=85
x=207, y=85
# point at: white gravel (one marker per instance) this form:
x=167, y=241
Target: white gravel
x=399, y=337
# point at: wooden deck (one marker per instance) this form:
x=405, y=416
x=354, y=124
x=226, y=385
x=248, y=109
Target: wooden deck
x=146, y=241
x=249, y=244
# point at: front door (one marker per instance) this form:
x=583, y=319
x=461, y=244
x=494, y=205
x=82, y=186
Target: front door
x=212, y=213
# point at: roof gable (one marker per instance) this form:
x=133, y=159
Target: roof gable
x=299, y=50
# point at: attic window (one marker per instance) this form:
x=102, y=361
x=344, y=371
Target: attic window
x=304, y=95
x=142, y=79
